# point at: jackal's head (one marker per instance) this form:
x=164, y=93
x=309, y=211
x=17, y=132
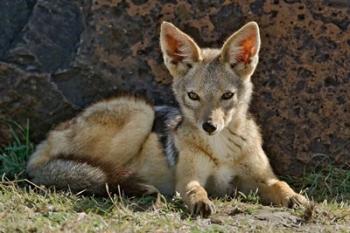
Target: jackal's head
x=212, y=86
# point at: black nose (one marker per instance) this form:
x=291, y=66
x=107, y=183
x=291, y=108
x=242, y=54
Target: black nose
x=209, y=127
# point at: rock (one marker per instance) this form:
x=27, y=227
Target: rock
x=14, y=16
x=31, y=96
x=59, y=56
x=50, y=38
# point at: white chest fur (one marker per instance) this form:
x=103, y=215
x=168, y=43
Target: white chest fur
x=220, y=183
x=224, y=147
x=226, y=151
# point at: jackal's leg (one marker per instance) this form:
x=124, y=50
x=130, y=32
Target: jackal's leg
x=114, y=131
x=272, y=190
x=280, y=193
x=191, y=176
x=257, y=174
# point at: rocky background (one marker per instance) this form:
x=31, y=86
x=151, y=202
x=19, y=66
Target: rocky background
x=57, y=56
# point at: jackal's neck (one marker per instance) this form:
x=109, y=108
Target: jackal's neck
x=239, y=118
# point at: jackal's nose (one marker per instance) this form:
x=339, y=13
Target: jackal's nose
x=209, y=127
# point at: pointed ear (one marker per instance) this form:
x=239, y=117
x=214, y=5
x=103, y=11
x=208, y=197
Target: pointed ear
x=180, y=52
x=241, y=50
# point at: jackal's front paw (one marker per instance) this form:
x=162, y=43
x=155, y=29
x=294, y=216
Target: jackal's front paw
x=296, y=200
x=203, y=207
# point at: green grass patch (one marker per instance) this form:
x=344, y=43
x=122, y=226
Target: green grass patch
x=324, y=183
x=13, y=157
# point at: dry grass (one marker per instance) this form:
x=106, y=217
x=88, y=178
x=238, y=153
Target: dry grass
x=25, y=207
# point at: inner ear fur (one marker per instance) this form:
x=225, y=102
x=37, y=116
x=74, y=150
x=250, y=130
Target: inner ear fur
x=179, y=50
x=241, y=49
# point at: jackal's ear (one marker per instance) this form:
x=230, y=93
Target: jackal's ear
x=240, y=51
x=180, y=52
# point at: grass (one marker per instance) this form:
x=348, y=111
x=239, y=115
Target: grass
x=324, y=182
x=14, y=156
x=25, y=207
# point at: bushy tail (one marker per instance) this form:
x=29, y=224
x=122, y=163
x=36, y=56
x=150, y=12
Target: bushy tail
x=72, y=175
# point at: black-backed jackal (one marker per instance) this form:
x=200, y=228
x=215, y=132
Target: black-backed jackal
x=211, y=146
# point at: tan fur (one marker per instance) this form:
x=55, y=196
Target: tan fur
x=116, y=138
x=112, y=135
x=231, y=156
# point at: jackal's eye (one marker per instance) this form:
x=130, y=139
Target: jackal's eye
x=227, y=95
x=193, y=96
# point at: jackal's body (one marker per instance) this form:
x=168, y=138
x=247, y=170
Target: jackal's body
x=213, y=147
x=114, y=142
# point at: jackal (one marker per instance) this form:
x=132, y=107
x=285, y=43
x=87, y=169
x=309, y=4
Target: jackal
x=211, y=146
